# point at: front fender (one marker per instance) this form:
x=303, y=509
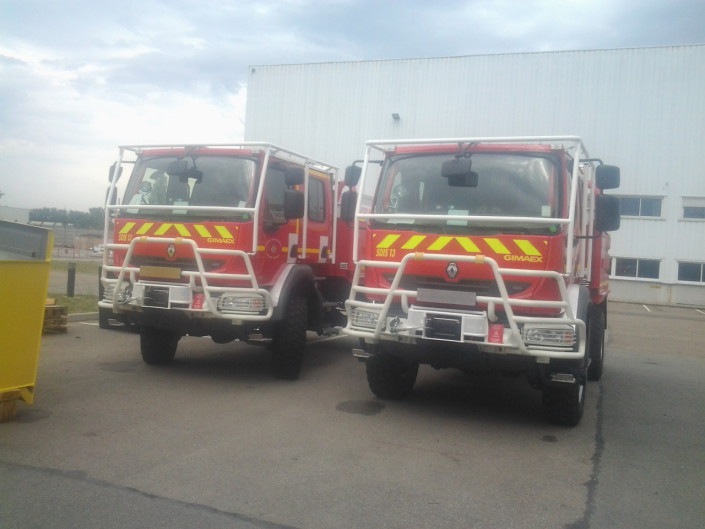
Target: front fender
x=295, y=279
x=579, y=298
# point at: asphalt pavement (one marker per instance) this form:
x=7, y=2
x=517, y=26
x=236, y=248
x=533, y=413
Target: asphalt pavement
x=214, y=441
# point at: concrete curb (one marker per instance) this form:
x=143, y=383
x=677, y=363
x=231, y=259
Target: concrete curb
x=83, y=316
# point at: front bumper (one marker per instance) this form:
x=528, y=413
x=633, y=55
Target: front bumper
x=191, y=292
x=395, y=320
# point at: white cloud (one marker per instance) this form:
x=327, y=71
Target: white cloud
x=79, y=77
x=71, y=171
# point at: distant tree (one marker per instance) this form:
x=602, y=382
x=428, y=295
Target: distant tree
x=93, y=219
x=49, y=215
x=97, y=216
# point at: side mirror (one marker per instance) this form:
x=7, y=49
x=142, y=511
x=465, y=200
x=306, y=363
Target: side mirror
x=607, y=213
x=458, y=172
x=607, y=176
x=111, y=172
x=348, y=201
x=352, y=175
x=294, y=175
x=293, y=204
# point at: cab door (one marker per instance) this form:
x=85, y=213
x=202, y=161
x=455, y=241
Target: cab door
x=278, y=237
x=319, y=223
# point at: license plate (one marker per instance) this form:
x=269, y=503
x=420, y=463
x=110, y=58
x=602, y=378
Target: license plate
x=160, y=272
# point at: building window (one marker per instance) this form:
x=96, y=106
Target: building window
x=316, y=200
x=694, y=272
x=693, y=207
x=641, y=268
x=640, y=206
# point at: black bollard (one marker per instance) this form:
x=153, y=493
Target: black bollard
x=71, y=282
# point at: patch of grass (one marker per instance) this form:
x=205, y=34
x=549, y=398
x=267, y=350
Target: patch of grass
x=76, y=304
x=82, y=266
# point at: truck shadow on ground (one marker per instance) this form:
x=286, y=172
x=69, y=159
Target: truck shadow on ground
x=485, y=399
x=203, y=358
x=447, y=394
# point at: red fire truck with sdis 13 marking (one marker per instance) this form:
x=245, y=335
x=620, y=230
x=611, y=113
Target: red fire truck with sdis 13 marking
x=484, y=254
x=238, y=241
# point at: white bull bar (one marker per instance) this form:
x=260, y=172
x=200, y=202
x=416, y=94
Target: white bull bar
x=515, y=343
x=128, y=273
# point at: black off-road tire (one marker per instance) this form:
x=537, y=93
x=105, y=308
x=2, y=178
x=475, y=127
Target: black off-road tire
x=596, y=343
x=104, y=316
x=289, y=340
x=158, y=346
x=391, y=377
x=564, y=403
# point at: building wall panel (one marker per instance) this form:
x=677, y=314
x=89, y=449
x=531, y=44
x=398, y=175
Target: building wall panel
x=642, y=109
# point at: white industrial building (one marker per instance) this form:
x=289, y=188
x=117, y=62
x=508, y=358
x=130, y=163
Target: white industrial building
x=641, y=109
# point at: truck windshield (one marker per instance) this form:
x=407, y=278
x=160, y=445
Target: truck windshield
x=508, y=185
x=193, y=181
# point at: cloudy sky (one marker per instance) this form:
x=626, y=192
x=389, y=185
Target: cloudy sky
x=79, y=77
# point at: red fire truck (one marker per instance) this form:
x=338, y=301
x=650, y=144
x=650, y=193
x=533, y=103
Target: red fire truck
x=484, y=254
x=236, y=241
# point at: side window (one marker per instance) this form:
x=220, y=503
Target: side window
x=275, y=190
x=691, y=271
x=640, y=206
x=641, y=268
x=694, y=207
x=316, y=200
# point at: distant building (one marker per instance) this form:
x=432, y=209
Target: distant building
x=66, y=235
x=14, y=214
x=641, y=109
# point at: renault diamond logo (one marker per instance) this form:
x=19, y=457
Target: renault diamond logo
x=452, y=270
x=171, y=252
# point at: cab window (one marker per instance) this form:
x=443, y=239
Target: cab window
x=316, y=200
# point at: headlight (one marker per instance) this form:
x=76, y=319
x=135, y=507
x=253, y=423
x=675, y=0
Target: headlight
x=559, y=336
x=108, y=292
x=364, y=318
x=124, y=294
x=241, y=303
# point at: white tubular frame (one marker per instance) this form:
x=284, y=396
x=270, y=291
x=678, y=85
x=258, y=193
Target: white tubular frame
x=568, y=317
x=208, y=290
x=564, y=305
x=128, y=273
x=568, y=142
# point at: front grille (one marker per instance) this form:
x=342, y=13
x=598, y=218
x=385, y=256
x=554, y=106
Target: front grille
x=188, y=265
x=479, y=287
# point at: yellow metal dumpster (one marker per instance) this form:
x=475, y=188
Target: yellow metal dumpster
x=25, y=260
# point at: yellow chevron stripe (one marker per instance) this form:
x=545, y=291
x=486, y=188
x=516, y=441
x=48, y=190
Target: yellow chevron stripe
x=224, y=232
x=497, y=246
x=413, y=242
x=145, y=228
x=468, y=245
x=202, y=230
x=127, y=227
x=388, y=241
x=163, y=229
x=527, y=247
x=183, y=231
x=440, y=243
